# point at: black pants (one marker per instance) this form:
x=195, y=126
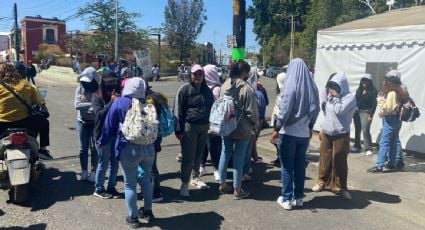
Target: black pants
x=41, y=126
x=214, y=148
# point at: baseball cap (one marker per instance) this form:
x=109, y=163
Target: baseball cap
x=393, y=76
x=195, y=68
x=88, y=74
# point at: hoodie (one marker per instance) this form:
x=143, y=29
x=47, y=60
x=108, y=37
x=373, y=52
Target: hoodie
x=366, y=97
x=213, y=80
x=339, y=110
x=246, y=106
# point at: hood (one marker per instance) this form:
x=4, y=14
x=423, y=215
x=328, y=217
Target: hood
x=135, y=88
x=211, y=76
x=252, y=79
x=231, y=84
x=89, y=74
x=341, y=80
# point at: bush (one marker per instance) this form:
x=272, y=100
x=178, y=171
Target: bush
x=52, y=52
x=64, y=61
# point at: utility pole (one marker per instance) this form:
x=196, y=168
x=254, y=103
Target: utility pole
x=116, y=31
x=159, y=48
x=239, y=22
x=16, y=30
x=291, y=53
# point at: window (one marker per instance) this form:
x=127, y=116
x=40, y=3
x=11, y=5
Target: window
x=50, y=36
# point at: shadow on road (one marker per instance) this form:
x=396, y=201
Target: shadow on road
x=31, y=227
x=257, y=188
x=361, y=199
x=208, y=220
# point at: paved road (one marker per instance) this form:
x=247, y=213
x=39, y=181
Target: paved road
x=60, y=201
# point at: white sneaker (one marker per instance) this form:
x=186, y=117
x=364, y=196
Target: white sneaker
x=369, y=152
x=92, y=177
x=246, y=178
x=297, y=202
x=317, y=188
x=84, y=175
x=285, y=204
x=216, y=175
x=184, y=190
x=198, y=183
x=345, y=195
x=202, y=171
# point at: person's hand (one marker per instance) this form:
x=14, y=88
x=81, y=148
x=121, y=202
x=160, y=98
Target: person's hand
x=274, y=135
x=114, y=94
x=180, y=136
x=369, y=118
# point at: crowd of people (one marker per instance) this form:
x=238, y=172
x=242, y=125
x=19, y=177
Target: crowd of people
x=103, y=99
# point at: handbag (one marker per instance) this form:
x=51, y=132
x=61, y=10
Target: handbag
x=35, y=111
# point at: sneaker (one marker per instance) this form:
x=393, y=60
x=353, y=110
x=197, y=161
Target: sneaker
x=157, y=197
x=84, y=175
x=92, y=177
x=240, y=195
x=225, y=189
x=297, y=202
x=345, y=195
x=179, y=157
x=369, y=153
x=317, y=188
x=184, y=190
x=216, y=175
x=115, y=194
x=285, y=204
x=355, y=149
x=399, y=165
x=202, y=171
x=246, y=178
x=198, y=183
x=375, y=170
x=44, y=154
x=133, y=222
x=146, y=214
x=389, y=167
x=102, y=195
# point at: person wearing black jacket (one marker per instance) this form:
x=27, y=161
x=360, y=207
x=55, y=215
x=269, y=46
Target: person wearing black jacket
x=192, y=108
x=109, y=90
x=366, y=106
x=31, y=72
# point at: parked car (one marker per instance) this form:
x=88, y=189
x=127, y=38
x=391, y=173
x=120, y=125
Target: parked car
x=272, y=72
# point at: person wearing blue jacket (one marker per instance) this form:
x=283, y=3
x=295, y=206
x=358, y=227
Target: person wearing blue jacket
x=339, y=107
x=129, y=154
x=298, y=111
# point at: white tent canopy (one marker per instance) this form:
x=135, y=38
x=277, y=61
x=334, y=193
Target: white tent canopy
x=375, y=45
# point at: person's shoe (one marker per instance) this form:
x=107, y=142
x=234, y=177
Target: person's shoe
x=399, y=165
x=317, y=188
x=246, y=178
x=276, y=163
x=216, y=175
x=355, y=149
x=133, y=222
x=84, y=175
x=225, y=189
x=179, y=157
x=389, y=167
x=115, y=194
x=157, y=197
x=369, y=153
x=146, y=214
x=202, y=171
x=375, y=170
x=184, y=190
x=44, y=154
x=297, y=202
x=92, y=177
x=285, y=204
x=198, y=183
x=345, y=195
x=240, y=195
x=102, y=195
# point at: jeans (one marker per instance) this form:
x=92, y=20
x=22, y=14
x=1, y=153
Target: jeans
x=154, y=176
x=292, y=158
x=193, y=146
x=108, y=161
x=247, y=159
x=85, y=133
x=362, y=124
x=399, y=154
x=237, y=148
x=388, y=144
x=131, y=156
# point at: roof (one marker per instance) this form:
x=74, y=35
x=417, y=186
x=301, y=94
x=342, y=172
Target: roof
x=400, y=17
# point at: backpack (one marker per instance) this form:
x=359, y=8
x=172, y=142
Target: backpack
x=408, y=110
x=223, y=116
x=166, y=121
x=140, y=124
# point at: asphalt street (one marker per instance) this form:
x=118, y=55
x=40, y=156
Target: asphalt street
x=59, y=201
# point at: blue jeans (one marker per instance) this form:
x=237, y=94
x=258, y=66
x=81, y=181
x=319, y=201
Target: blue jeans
x=237, y=148
x=130, y=156
x=85, y=134
x=292, y=158
x=247, y=160
x=388, y=144
x=399, y=155
x=108, y=161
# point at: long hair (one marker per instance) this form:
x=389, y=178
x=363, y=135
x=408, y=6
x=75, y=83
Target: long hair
x=238, y=67
x=389, y=86
x=9, y=74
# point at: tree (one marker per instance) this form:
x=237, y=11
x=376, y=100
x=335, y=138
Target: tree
x=184, y=20
x=101, y=16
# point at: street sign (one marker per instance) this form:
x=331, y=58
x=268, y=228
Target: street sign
x=231, y=41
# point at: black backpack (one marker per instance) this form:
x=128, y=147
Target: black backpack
x=408, y=110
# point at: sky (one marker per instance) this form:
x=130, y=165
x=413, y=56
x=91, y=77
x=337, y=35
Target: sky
x=216, y=28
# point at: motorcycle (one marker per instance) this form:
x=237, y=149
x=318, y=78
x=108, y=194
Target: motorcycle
x=19, y=167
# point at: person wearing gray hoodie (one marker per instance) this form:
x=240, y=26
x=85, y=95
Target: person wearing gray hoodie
x=339, y=108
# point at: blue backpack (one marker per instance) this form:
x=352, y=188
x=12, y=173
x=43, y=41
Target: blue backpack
x=166, y=121
x=223, y=116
